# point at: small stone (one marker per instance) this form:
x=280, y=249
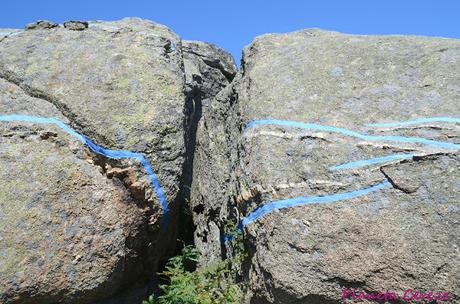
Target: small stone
x=138, y=190
x=246, y=195
x=116, y=172
x=41, y=24
x=76, y=25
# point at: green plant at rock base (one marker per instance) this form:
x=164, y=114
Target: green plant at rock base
x=151, y=300
x=213, y=284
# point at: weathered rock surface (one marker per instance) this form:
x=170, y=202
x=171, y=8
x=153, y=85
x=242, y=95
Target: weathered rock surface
x=76, y=25
x=204, y=64
x=402, y=234
x=298, y=121
x=75, y=226
x=67, y=232
x=41, y=24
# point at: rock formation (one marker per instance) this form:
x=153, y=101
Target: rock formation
x=337, y=156
x=344, y=130
x=84, y=116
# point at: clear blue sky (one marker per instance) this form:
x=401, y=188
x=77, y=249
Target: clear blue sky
x=233, y=24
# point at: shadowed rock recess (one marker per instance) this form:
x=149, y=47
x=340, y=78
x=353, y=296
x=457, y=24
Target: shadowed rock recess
x=338, y=155
x=77, y=226
x=300, y=107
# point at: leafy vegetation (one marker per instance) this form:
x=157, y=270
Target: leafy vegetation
x=213, y=284
x=234, y=238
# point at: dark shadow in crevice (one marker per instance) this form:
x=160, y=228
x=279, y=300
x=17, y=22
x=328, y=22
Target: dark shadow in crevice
x=186, y=227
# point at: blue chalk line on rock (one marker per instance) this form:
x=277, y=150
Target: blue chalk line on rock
x=302, y=200
x=115, y=154
x=351, y=133
x=392, y=157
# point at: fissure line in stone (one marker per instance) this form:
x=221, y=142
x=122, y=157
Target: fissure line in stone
x=351, y=133
x=302, y=200
x=372, y=161
x=115, y=154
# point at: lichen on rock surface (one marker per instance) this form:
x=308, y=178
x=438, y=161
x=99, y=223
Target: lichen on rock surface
x=336, y=156
x=312, y=117
x=78, y=223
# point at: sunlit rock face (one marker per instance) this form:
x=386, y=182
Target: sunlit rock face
x=339, y=156
x=94, y=121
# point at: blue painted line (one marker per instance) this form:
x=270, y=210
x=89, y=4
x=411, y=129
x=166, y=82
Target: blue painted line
x=371, y=161
x=115, y=154
x=42, y=120
x=416, y=121
x=347, y=132
x=304, y=200
x=229, y=237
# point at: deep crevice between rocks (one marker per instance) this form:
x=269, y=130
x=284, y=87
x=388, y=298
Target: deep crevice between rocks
x=195, y=95
x=194, y=111
x=185, y=225
x=124, y=175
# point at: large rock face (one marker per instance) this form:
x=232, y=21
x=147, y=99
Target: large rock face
x=66, y=230
x=337, y=154
x=77, y=226
x=340, y=138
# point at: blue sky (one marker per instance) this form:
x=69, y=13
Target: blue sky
x=233, y=24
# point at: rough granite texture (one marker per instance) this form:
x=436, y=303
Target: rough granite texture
x=213, y=64
x=76, y=227
x=404, y=236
